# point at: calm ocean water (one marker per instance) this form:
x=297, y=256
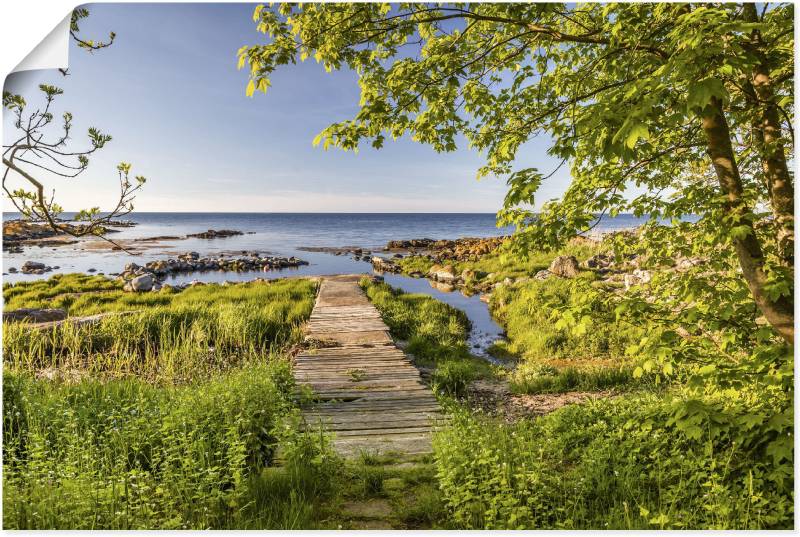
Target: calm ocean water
x=283, y=234
x=276, y=233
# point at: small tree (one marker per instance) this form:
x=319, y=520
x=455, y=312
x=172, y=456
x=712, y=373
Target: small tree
x=693, y=102
x=34, y=152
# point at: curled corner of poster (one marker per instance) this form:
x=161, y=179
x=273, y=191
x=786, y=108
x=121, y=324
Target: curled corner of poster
x=51, y=53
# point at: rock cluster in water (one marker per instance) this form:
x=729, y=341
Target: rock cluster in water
x=464, y=249
x=146, y=278
x=32, y=267
x=215, y=234
x=356, y=252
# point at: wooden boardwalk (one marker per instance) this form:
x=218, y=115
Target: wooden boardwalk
x=367, y=391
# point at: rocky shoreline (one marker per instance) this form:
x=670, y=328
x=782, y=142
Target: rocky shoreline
x=19, y=233
x=613, y=275
x=463, y=249
x=150, y=276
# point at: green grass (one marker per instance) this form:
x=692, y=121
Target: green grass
x=126, y=454
x=436, y=333
x=618, y=463
x=536, y=378
x=502, y=263
x=172, y=336
x=59, y=291
x=166, y=418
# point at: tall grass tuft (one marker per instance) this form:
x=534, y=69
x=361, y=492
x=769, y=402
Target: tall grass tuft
x=170, y=337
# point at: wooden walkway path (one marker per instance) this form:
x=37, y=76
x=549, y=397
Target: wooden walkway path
x=367, y=391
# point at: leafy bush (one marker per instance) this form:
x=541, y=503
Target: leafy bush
x=540, y=325
x=126, y=454
x=632, y=462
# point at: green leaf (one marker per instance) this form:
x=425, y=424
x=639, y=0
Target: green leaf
x=637, y=132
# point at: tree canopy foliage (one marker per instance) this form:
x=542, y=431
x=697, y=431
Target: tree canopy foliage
x=692, y=103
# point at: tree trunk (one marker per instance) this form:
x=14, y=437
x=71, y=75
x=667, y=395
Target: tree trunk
x=771, y=142
x=779, y=313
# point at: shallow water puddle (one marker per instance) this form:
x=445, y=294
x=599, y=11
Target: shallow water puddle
x=485, y=329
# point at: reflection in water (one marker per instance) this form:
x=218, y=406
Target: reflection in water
x=485, y=330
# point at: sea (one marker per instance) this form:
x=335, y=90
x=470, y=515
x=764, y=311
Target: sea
x=282, y=234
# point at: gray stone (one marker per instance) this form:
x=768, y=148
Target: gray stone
x=142, y=283
x=444, y=274
x=33, y=267
x=35, y=315
x=631, y=280
x=565, y=266
x=644, y=275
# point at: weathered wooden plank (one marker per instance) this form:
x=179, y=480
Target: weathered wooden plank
x=335, y=358
x=331, y=408
x=382, y=418
x=343, y=378
x=352, y=426
x=368, y=392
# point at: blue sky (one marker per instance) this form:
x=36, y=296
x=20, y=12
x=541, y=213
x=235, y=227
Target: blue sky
x=169, y=93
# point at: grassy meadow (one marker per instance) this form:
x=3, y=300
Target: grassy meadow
x=183, y=414
x=167, y=417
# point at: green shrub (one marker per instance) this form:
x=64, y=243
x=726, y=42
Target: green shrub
x=126, y=454
x=623, y=463
x=531, y=313
x=452, y=377
x=542, y=378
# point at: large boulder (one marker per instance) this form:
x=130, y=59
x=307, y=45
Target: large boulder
x=35, y=315
x=33, y=267
x=445, y=274
x=565, y=266
x=141, y=283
